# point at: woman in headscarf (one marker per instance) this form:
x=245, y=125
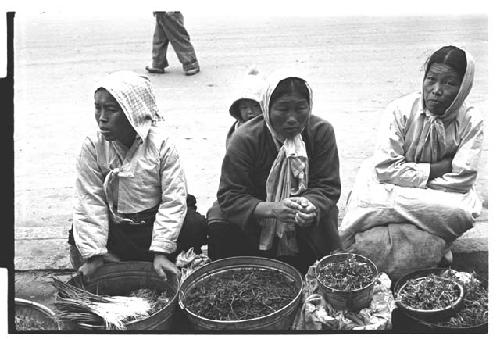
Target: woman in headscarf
x=279, y=183
x=131, y=190
x=416, y=194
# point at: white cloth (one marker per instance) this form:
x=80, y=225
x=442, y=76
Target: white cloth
x=113, y=179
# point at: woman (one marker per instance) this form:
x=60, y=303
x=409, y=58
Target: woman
x=416, y=194
x=279, y=182
x=130, y=190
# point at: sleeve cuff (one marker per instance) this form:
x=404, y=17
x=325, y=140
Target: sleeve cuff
x=424, y=170
x=87, y=255
x=163, y=246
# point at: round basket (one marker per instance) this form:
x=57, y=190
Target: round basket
x=122, y=278
x=41, y=317
x=404, y=320
x=352, y=300
x=432, y=314
x=281, y=319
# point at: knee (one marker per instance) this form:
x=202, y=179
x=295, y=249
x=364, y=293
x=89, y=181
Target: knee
x=193, y=232
x=75, y=257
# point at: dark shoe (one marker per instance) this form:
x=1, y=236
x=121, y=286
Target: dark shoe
x=154, y=69
x=191, y=69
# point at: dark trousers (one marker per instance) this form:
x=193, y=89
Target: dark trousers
x=170, y=28
x=228, y=240
x=132, y=242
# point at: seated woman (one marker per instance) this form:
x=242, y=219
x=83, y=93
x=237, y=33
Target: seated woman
x=131, y=190
x=279, y=183
x=416, y=194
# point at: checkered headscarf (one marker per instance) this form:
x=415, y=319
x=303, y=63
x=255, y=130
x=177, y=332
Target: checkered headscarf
x=135, y=95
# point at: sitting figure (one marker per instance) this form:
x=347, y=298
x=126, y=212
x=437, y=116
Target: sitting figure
x=131, y=200
x=279, y=182
x=416, y=194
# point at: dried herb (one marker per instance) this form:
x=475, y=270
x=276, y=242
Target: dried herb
x=346, y=275
x=475, y=308
x=26, y=323
x=429, y=293
x=240, y=294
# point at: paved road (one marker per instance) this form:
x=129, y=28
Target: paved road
x=355, y=66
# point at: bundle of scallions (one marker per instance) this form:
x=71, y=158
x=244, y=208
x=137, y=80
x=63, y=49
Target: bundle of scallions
x=80, y=306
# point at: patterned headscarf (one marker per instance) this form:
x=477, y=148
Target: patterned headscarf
x=429, y=142
x=135, y=95
x=291, y=161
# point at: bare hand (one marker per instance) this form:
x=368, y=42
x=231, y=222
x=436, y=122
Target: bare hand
x=306, y=213
x=91, y=265
x=440, y=168
x=162, y=264
x=285, y=210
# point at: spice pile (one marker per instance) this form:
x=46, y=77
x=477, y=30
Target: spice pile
x=347, y=275
x=240, y=294
x=24, y=322
x=114, y=312
x=475, y=308
x=429, y=293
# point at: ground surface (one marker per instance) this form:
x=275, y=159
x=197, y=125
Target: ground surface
x=355, y=66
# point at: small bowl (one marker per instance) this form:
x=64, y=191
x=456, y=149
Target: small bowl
x=433, y=314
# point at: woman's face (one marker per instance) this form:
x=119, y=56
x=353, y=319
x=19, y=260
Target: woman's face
x=289, y=114
x=249, y=109
x=112, y=122
x=441, y=86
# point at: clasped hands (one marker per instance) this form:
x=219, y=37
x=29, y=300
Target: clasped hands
x=298, y=210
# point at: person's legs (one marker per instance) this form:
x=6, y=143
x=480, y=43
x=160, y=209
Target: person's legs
x=160, y=44
x=173, y=27
x=193, y=232
x=75, y=257
x=303, y=259
x=228, y=240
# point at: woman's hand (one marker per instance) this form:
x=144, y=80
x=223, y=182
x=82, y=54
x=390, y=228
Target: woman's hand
x=297, y=210
x=306, y=213
x=284, y=210
x=440, y=168
x=91, y=265
x=162, y=264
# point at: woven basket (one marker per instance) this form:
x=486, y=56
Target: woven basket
x=42, y=314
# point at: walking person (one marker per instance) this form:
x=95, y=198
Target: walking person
x=170, y=28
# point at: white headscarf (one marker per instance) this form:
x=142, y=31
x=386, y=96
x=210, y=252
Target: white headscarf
x=429, y=142
x=291, y=161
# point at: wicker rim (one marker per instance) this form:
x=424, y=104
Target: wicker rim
x=435, y=310
x=42, y=308
x=294, y=300
x=173, y=300
x=365, y=259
